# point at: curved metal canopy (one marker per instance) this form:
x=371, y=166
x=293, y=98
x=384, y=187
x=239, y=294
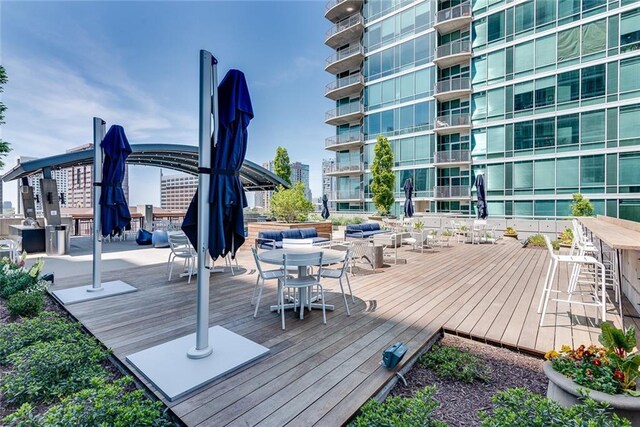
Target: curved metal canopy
x=183, y=158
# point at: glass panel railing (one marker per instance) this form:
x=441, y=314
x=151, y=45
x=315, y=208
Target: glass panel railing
x=453, y=120
x=458, y=11
x=453, y=48
x=345, y=53
x=344, y=110
x=347, y=194
x=346, y=167
x=458, y=83
x=356, y=19
x=343, y=139
x=453, y=156
x=453, y=191
x=344, y=82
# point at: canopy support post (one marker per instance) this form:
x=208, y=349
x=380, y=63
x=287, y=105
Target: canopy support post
x=208, y=108
x=99, y=130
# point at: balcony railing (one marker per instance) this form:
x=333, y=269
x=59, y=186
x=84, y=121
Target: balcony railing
x=333, y=3
x=343, y=139
x=344, y=110
x=453, y=156
x=453, y=120
x=347, y=23
x=344, y=82
x=453, y=191
x=347, y=195
x=453, y=48
x=458, y=83
x=345, y=53
x=347, y=167
x=458, y=11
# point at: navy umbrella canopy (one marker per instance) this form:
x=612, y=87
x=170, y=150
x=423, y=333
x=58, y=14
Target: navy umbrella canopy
x=226, y=196
x=115, y=216
x=482, y=198
x=325, y=207
x=408, y=194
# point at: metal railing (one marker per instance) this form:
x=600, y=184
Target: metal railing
x=347, y=167
x=453, y=120
x=347, y=195
x=347, y=23
x=458, y=83
x=453, y=156
x=344, y=82
x=454, y=12
x=453, y=48
x=344, y=110
x=333, y=3
x=343, y=139
x=345, y=53
x=452, y=191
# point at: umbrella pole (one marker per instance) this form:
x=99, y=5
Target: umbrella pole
x=98, y=135
x=208, y=107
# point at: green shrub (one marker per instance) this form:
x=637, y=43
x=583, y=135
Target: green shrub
x=510, y=230
x=581, y=206
x=47, y=326
x=538, y=240
x=14, y=277
x=104, y=404
x=25, y=303
x=454, y=363
x=400, y=411
x=47, y=370
x=519, y=407
x=566, y=237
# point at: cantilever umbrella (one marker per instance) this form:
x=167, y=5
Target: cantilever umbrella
x=408, y=193
x=226, y=194
x=115, y=216
x=325, y=208
x=482, y=198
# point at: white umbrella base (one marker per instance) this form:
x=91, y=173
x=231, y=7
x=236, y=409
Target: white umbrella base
x=88, y=293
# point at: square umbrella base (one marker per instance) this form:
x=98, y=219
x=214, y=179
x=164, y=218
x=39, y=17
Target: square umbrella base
x=84, y=293
x=174, y=374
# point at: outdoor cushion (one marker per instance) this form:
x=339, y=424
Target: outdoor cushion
x=308, y=233
x=319, y=240
x=270, y=235
x=294, y=233
x=270, y=245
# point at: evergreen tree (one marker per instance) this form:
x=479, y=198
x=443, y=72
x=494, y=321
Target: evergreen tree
x=383, y=176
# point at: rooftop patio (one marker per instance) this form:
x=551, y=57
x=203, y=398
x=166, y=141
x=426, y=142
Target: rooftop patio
x=319, y=374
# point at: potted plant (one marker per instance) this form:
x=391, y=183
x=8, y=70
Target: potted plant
x=566, y=237
x=418, y=225
x=606, y=373
x=511, y=232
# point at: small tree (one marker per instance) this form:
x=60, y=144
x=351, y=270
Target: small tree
x=383, y=176
x=4, y=146
x=581, y=206
x=291, y=205
x=281, y=165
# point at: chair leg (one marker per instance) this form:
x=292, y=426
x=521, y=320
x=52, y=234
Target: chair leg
x=281, y=297
x=255, y=313
x=255, y=290
x=170, y=270
x=350, y=291
x=544, y=287
x=324, y=311
x=546, y=301
x=191, y=263
x=344, y=297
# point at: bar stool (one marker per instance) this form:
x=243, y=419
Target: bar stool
x=599, y=295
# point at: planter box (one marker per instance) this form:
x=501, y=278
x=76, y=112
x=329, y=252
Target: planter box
x=515, y=236
x=323, y=228
x=565, y=392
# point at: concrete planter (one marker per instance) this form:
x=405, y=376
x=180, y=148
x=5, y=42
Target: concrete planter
x=565, y=392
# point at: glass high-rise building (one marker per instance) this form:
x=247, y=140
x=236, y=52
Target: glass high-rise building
x=541, y=96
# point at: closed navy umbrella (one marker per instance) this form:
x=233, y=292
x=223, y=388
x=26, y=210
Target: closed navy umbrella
x=115, y=216
x=482, y=198
x=408, y=193
x=226, y=196
x=325, y=208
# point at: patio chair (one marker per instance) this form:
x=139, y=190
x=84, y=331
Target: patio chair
x=338, y=274
x=419, y=238
x=597, y=292
x=263, y=275
x=181, y=248
x=362, y=252
x=10, y=248
x=303, y=284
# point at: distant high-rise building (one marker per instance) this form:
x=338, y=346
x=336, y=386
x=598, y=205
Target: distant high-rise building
x=177, y=190
x=300, y=173
x=262, y=199
x=328, y=181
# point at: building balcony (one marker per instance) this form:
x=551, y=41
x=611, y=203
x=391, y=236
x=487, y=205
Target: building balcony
x=354, y=195
x=345, y=32
x=456, y=52
x=344, y=142
x=453, y=18
x=453, y=123
x=457, y=192
x=340, y=9
x=350, y=113
x=345, y=169
x=452, y=158
x=447, y=90
x=345, y=87
x=345, y=60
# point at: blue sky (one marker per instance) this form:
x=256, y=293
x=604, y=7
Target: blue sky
x=136, y=64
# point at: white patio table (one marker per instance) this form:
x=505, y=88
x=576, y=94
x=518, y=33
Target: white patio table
x=275, y=256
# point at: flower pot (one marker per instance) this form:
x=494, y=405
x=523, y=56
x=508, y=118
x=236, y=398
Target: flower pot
x=565, y=392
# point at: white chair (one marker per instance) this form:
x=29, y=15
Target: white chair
x=10, y=247
x=419, y=238
x=598, y=291
x=491, y=236
x=338, y=274
x=181, y=248
x=303, y=284
x=477, y=232
x=263, y=275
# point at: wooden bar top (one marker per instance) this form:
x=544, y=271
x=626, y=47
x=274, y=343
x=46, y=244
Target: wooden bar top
x=616, y=233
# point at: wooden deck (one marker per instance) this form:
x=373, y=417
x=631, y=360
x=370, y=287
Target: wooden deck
x=321, y=374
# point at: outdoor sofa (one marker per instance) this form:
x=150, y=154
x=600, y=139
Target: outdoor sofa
x=363, y=231
x=272, y=239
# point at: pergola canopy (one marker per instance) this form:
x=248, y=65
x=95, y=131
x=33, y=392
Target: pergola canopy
x=182, y=158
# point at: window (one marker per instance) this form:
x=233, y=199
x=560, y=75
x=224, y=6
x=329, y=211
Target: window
x=629, y=29
x=568, y=86
x=568, y=44
x=495, y=27
x=495, y=102
x=592, y=170
x=567, y=174
x=479, y=69
x=593, y=127
x=568, y=130
x=568, y=9
x=593, y=81
x=495, y=139
x=523, y=135
x=630, y=75
x=478, y=143
x=523, y=60
x=594, y=37
x=523, y=175
x=546, y=51
x=545, y=133
x=479, y=105
x=524, y=17
x=495, y=67
x=629, y=170
x=629, y=119
x=545, y=174
x=495, y=177
x=545, y=91
x=479, y=32
x=545, y=12
x=523, y=96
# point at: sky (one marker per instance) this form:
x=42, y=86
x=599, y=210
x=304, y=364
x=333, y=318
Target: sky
x=136, y=64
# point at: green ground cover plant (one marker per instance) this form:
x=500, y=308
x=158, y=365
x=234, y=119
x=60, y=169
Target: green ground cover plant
x=454, y=363
x=400, y=411
x=15, y=277
x=25, y=303
x=103, y=404
x=519, y=407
